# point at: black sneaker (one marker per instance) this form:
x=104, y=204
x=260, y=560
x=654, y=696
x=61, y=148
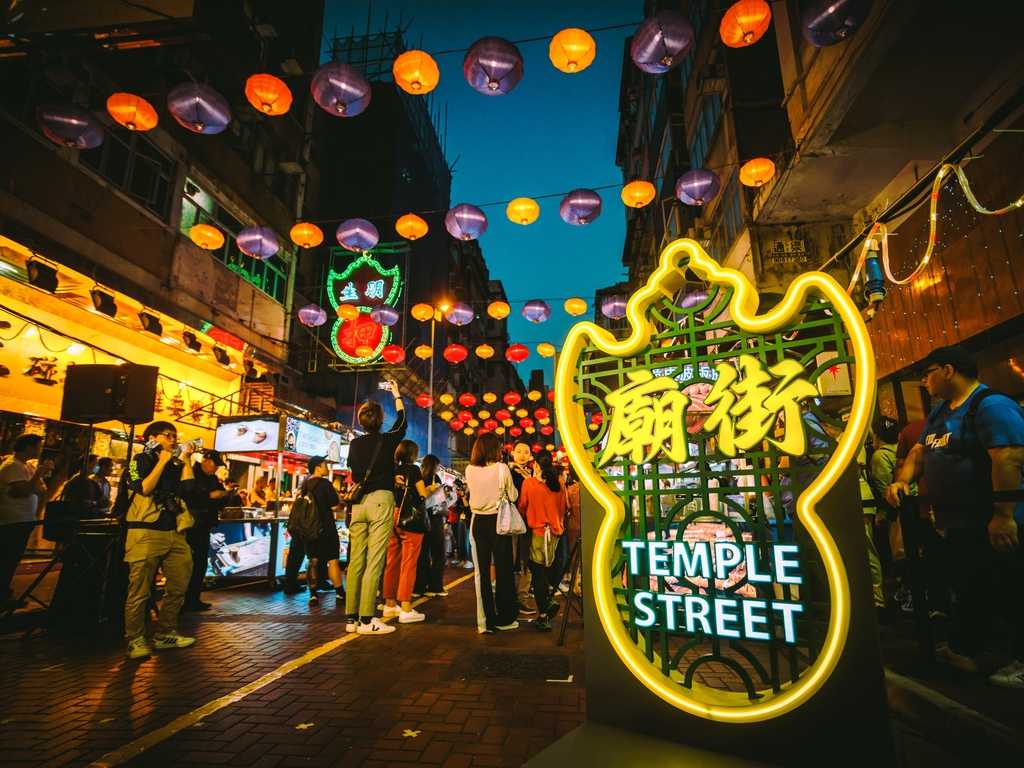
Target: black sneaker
x=314, y=599
x=552, y=611
x=294, y=589
x=541, y=625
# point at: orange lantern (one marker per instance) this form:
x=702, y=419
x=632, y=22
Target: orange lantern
x=467, y=431
x=522, y=210
x=490, y=397
x=484, y=351
x=411, y=227
x=416, y=72
x=473, y=423
x=447, y=398
x=534, y=395
x=522, y=412
x=423, y=351
x=446, y=415
x=575, y=306
x=207, y=237
x=638, y=193
x=757, y=172
x=131, y=111
x=572, y=50
x=745, y=23
x=306, y=235
x=484, y=413
x=546, y=350
x=499, y=310
x=348, y=312
x=499, y=430
x=422, y=312
x=268, y=94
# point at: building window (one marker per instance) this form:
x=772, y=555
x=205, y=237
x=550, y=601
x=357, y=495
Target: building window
x=270, y=276
x=133, y=164
x=707, y=123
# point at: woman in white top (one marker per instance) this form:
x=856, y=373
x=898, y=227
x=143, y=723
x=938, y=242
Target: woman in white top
x=488, y=479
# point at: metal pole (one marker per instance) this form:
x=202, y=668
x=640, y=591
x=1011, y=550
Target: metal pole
x=430, y=411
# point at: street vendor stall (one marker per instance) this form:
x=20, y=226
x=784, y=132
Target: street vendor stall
x=266, y=456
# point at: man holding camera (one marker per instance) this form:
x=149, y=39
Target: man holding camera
x=158, y=481
x=209, y=496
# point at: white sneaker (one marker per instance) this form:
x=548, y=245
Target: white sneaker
x=442, y=593
x=351, y=625
x=138, y=648
x=1010, y=676
x=507, y=627
x=172, y=640
x=468, y=565
x=375, y=627
x=391, y=612
x=410, y=617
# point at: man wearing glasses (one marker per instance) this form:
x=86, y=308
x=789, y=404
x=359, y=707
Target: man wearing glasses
x=970, y=455
x=157, y=520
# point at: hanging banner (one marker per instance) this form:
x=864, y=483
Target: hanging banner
x=708, y=451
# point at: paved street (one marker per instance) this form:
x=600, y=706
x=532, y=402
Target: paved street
x=272, y=683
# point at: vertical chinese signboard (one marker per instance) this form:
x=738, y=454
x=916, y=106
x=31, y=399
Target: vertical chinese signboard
x=361, y=287
x=715, y=577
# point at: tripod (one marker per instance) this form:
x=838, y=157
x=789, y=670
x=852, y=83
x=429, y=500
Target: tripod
x=573, y=602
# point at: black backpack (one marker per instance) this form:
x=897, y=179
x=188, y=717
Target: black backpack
x=981, y=463
x=303, y=519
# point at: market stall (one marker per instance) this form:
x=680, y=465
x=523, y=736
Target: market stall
x=266, y=456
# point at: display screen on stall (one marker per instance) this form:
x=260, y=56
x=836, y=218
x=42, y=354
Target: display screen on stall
x=257, y=434
x=311, y=440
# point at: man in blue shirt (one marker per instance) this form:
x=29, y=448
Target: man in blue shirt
x=970, y=454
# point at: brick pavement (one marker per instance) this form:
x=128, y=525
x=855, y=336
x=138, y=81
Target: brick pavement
x=430, y=694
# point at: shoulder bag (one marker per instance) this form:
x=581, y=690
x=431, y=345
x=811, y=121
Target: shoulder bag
x=510, y=522
x=412, y=514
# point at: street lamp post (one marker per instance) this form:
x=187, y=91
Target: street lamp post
x=434, y=319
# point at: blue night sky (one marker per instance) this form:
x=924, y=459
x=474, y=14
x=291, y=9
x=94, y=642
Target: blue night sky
x=553, y=133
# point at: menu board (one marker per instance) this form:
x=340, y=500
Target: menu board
x=260, y=433
x=311, y=440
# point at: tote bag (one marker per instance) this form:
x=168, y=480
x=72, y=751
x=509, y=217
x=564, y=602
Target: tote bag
x=510, y=522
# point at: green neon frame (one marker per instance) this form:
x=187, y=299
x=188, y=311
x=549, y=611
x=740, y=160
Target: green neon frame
x=396, y=288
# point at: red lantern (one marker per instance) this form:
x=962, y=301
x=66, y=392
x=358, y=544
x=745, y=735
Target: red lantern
x=456, y=425
x=502, y=415
x=515, y=431
x=547, y=429
x=542, y=413
x=467, y=399
x=517, y=353
x=536, y=448
x=465, y=415
x=597, y=418
x=393, y=354
x=508, y=447
x=455, y=353
x=491, y=424
x=424, y=400
x=512, y=399
x=551, y=395
x=525, y=422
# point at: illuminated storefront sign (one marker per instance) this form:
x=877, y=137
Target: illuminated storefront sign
x=713, y=446
x=363, y=285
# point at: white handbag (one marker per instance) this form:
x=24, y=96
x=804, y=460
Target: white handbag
x=510, y=522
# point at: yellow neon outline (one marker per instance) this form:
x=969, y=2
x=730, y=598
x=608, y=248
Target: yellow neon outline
x=665, y=281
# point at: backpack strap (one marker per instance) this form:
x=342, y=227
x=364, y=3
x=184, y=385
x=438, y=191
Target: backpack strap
x=983, y=464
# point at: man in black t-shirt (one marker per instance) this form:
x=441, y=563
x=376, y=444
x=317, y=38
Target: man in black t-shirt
x=207, y=499
x=325, y=549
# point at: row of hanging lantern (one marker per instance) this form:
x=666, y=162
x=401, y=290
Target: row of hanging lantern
x=535, y=311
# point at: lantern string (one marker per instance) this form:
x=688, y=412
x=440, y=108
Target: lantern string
x=539, y=38
x=547, y=195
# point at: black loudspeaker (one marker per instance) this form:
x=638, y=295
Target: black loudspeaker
x=95, y=393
